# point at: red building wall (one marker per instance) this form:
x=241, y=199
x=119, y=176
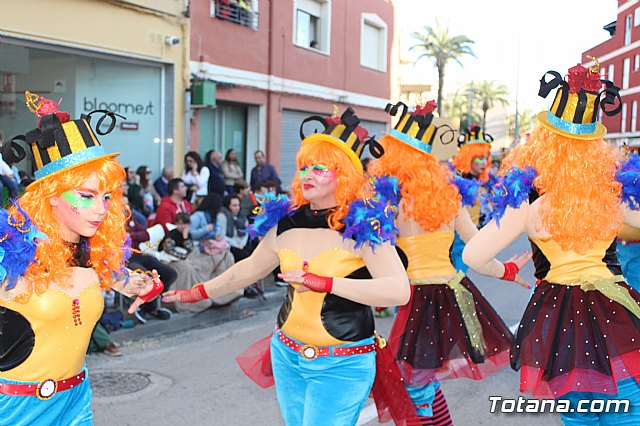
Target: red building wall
x=270, y=51
x=614, y=51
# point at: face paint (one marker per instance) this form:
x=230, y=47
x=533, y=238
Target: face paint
x=317, y=169
x=83, y=200
x=78, y=200
x=479, y=160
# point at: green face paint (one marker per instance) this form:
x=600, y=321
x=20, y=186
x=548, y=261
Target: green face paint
x=77, y=200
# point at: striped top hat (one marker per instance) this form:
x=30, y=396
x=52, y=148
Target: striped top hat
x=345, y=133
x=574, y=109
x=416, y=128
x=474, y=134
x=58, y=143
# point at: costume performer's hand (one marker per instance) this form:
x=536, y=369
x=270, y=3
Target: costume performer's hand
x=520, y=261
x=193, y=295
x=146, y=287
x=308, y=281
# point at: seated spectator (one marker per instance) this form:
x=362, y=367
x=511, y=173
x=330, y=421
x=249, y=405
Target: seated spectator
x=173, y=203
x=241, y=189
x=7, y=179
x=134, y=190
x=150, y=198
x=161, y=183
x=101, y=341
x=195, y=177
x=195, y=265
x=145, y=262
x=203, y=220
x=213, y=161
x=233, y=227
x=137, y=215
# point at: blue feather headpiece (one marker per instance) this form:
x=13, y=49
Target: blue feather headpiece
x=628, y=176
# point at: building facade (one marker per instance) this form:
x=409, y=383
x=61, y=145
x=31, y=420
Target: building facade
x=260, y=67
x=128, y=56
x=619, y=59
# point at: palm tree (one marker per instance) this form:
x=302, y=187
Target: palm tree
x=488, y=93
x=441, y=47
x=456, y=106
x=526, y=122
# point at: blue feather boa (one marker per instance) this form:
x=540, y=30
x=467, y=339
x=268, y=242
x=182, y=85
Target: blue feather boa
x=511, y=190
x=468, y=189
x=272, y=208
x=372, y=221
x=18, y=250
x=628, y=176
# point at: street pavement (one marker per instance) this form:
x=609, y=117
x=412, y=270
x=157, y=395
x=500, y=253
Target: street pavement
x=183, y=371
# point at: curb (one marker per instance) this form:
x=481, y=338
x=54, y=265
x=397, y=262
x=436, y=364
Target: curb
x=215, y=315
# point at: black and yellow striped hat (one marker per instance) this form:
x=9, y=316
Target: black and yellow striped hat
x=345, y=133
x=59, y=143
x=574, y=109
x=416, y=128
x=474, y=134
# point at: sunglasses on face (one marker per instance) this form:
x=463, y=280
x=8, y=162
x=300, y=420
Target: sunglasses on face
x=317, y=169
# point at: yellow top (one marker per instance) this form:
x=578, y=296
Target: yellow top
x=569, y=266
x=428, y=254
x=474, y=212
x=304, y=322
x=60, y=345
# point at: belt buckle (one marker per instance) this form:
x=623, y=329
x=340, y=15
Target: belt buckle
x=46, y=389
x=309, y=352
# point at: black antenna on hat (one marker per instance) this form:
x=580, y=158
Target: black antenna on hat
x=105, y=114
x=317, y=118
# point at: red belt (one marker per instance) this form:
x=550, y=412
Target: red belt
x=312, y=352
x=628, y=242
x=43, y=390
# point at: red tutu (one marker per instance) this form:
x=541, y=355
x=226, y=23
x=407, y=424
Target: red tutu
x=431, y=340
x=575, y=340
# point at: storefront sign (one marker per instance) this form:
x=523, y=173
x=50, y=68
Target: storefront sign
x=122, y=108
x=129, y=125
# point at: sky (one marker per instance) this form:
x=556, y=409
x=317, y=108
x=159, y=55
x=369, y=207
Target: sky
x=541, y=35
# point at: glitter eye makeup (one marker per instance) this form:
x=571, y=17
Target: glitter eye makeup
x=80, y=200
x=317, y=169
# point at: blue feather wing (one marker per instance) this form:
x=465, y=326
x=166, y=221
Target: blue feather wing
x=628, y=176
x=511, y=190
x=468, y=189
x=372, y=220
x=272, y=208
x=18, y=246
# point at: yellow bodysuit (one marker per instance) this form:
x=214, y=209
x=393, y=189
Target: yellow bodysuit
x=428, y=254
x=60, y=342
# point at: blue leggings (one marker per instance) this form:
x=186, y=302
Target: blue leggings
x=325, y=391
x=422, y=397
x=629, y=256
x=627, y=389
x=70, y=408
x=456, y=254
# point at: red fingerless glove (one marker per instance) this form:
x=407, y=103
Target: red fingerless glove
x=155, y=291
x=317, y=283
x=510, y=271
x=196, y=294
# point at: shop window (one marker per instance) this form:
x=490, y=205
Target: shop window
x=373, y=42
x=312, y=24
x=243, y=12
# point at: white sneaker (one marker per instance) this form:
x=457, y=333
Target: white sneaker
x=140, y=316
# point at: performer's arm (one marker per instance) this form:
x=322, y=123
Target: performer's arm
x=480, y=251
x=263, y=260
x=389, y=285
x=631, y=217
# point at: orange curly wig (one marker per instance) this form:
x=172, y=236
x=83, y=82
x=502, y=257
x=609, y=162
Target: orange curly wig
x=429, y=196
x=581, y=202
x=351, y=184
x=462, y=160
x=105, y=247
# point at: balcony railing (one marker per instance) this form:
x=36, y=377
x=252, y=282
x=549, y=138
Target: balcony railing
x=233, y=12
